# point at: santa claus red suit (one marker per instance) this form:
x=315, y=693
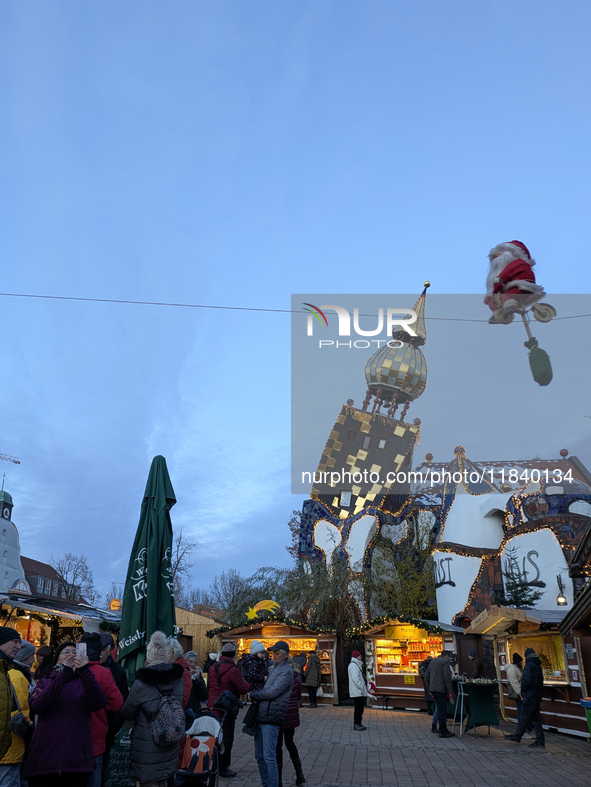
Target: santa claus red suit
x=510, y=275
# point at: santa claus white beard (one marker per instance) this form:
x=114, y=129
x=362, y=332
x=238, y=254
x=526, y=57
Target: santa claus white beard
x=496, y=266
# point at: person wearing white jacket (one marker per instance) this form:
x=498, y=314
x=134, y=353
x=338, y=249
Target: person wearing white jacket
x=514, y=672
x=357, y=689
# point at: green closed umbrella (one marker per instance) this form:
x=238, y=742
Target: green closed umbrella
x=148, y=599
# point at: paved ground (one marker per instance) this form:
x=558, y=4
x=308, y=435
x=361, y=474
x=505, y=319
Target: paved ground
x=399, y=750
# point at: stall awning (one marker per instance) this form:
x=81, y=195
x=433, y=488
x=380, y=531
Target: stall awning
x=415, y=622
x=498, y=619
x=61, y=608
x=578, y=619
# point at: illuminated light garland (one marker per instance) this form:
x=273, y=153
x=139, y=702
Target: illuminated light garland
x=272, y=619
x=356, y=631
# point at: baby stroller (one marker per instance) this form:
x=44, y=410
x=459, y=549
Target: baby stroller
x=202, y=749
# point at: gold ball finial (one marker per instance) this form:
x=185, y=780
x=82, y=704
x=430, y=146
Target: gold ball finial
x=427, y=284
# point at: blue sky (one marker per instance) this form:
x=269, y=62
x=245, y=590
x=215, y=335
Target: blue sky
x=233, y=153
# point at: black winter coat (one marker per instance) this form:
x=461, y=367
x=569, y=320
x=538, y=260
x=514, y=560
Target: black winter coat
x=532, y=679
x=148, y=761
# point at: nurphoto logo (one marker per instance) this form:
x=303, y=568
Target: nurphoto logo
x=393, y=320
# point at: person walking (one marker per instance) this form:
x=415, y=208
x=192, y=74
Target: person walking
x=99, y=721
x=357, y=689
x=224, y=675
x=312, y=677
x=61, y=750
x=532, y=685
x=19, y=674
x=440, y=685
x=10, y=642
x=149, y=763
x=287, y=731
x=273, y=700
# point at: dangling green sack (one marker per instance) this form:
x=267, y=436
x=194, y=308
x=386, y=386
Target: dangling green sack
x=541, y=368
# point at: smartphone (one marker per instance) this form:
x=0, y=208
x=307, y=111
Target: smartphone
x=81, y=649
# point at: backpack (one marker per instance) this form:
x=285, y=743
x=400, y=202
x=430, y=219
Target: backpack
x=167, y=726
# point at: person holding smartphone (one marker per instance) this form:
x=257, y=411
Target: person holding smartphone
x=61, y=750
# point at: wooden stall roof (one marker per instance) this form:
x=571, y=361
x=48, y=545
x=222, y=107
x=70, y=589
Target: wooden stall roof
x=578, y=619
x=296, y=629
x=446, y=627
x=497, y=620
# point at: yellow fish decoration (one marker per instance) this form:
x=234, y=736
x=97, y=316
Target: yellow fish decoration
x=269, y=605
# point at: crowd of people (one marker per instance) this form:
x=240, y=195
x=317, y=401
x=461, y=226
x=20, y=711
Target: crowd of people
x=58, y=724
x=525, y=684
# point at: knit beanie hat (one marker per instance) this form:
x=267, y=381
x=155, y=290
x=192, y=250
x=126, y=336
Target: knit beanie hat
x=529, y=651
x=107, y=640
x=7, y=634
x=256, y=647
x=60, y=647
x=94, y=645
x=472, y=653
x=213, y=656
x=229, y=649
x=27, y=650
x=191, y=654
x=157, y=650
x=356, y=654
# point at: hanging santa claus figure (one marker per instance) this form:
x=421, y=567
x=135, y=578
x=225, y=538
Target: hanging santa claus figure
x=511, y=282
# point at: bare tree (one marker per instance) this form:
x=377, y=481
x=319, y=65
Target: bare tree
x=76, y=577
x=181, y=564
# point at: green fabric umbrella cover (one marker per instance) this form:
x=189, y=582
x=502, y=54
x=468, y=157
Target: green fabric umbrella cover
x=148, y=600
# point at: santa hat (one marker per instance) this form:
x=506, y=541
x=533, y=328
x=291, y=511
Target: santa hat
x=516, y=248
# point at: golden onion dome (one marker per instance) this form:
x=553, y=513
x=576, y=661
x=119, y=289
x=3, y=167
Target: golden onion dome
x=401, y=370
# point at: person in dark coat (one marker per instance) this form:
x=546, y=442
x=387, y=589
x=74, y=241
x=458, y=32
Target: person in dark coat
x=114, y=720
x=272, y=701
x=287, y=731
x=199, y=691
x=212, y=658
x=532, y=686
x=312, y=677
x=61, y=749
x=438, y=678
x=478, y=664
x=224, y=675
x=255, y=667
x=148, y=762
x=44, y=663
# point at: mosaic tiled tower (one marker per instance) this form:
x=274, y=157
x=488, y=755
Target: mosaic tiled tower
x=362, y=482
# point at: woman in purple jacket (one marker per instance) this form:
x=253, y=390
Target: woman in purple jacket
x=61, y=751
x=286, y=733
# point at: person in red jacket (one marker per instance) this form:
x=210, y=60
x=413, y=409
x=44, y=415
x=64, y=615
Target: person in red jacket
x=287, y=732
x=98, y=722
x=510, y=276
x=224, y=675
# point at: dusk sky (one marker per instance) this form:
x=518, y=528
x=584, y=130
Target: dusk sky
x=231, y=154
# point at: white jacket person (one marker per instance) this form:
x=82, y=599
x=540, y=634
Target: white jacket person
x=357, y=683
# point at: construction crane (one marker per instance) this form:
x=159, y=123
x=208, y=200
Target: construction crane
x=10, y=459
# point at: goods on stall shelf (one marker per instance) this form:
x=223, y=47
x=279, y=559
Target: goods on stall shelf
x=396, y=656
x=549, y=649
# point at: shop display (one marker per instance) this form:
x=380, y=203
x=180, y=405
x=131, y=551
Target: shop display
x=404, y=649
x=549, y=649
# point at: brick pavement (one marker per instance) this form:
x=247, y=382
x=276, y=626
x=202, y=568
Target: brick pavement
x=399, y=750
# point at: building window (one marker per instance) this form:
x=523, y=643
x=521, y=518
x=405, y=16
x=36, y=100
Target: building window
x=351, y=437
x=54, y=586
x=345, y=499
x=381, y=443
x=47, y=589
x=40, y=581
x=366, y=442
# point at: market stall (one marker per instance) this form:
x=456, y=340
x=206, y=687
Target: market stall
x=515, y=630
x=393, y=652
x=300, y=640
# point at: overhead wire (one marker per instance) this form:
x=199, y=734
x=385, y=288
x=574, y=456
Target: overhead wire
x=227, y=308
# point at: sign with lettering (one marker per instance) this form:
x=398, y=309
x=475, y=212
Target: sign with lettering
x=410, y=679
x=276, y=631
x=117, y=768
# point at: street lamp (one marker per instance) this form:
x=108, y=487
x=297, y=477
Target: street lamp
x=561, y=599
